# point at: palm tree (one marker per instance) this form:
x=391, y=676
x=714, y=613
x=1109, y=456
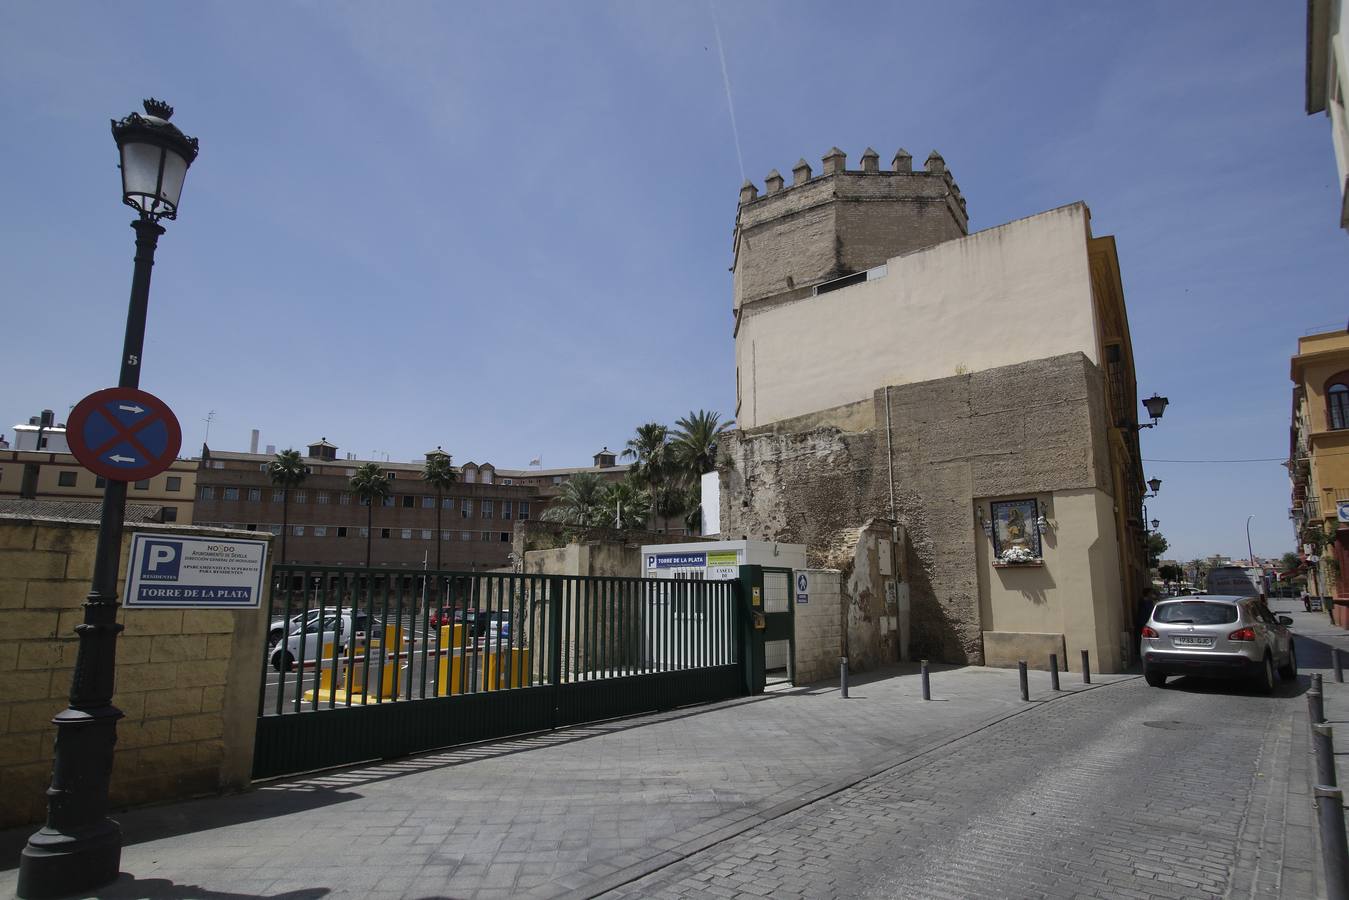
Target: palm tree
x=626, y=504
x=440, y=475
x=370, y=484
x=287, y=471
x=582, y=501
x=649, y=451
x=694, y=448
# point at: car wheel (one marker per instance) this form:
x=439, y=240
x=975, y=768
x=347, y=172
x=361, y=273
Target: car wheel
x=274, y=635
x=282, y=661
x=1155, y=679
x=1264, y=681
x=1288, y=672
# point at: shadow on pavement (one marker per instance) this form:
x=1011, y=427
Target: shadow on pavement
x=1193, y=684
x=128, y=886
x=1314, y=654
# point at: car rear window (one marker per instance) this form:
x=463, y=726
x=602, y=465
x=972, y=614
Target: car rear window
x=1195, y=612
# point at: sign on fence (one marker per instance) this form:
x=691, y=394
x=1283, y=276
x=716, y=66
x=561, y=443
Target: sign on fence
x=176, y=571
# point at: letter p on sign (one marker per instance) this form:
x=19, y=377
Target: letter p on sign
x=161, y=561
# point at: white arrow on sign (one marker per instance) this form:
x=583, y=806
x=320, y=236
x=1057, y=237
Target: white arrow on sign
x=118, y=458
x=131, y=409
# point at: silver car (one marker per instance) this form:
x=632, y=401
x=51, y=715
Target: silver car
x=1217, y=636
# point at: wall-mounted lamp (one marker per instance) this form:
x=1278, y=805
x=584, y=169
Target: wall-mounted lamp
x=1042, y=524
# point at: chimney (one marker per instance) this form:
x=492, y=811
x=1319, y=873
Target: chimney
x=253, y=442
x=271, y=449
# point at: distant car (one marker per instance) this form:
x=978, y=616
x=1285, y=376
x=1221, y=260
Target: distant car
x=318, y=639
x=281, y=627
x=1217, y=637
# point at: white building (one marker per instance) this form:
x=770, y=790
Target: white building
x=1327, y=81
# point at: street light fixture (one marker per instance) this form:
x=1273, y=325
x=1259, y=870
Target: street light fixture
x=1154, y=485
x=1156, y=405
x=1155, y=524
x=80, y=848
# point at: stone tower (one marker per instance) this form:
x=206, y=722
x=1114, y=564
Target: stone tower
x=824, y=227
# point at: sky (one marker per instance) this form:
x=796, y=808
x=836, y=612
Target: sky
x=505, y=228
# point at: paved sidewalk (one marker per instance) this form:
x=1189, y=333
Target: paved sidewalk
x=539, y=816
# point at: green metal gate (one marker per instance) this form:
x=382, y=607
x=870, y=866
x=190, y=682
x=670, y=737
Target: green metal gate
x=379, y=663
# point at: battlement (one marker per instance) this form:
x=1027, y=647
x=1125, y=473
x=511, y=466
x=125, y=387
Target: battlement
x=841, y=221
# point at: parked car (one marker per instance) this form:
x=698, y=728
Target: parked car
x=282, y=626
x=315, y=635
x=478, y=621
x=1217, y=637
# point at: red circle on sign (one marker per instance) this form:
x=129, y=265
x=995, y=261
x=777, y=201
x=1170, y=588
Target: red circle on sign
x=124, y=434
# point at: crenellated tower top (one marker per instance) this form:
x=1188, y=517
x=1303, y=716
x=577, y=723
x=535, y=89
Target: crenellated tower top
x=840, y=222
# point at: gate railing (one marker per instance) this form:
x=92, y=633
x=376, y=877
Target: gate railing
x=356, y=637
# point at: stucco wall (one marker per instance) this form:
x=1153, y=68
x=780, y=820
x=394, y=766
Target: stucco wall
x=186, y=680
x=1037, y=427
x=819, y=639
x=995, y=298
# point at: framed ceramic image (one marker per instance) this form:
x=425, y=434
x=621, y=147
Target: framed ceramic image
x=1014, y=526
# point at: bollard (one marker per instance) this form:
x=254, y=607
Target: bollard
x=1316, y=681
x=843, y=677
x=1339, y=666
x=927, y=684
x=1334, y=851
x=1054, y=671
x=1323, y=747
x=1021, y=672
x=1086, y=668
x=1315, y=708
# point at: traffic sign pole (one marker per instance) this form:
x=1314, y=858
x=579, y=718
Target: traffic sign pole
x=80, y=846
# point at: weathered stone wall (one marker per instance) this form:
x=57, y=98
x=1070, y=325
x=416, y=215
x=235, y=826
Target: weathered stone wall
x=1037, y=426
x=186, y=680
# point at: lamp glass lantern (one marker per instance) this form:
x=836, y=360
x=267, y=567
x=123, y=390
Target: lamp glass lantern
x=1154, y=484
x=1156, y=405
x=1155, y=523
x=155, y=158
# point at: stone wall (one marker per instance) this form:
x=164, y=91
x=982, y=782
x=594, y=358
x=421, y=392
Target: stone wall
x=187, y=680
x=819, y=635
x=1036, y=426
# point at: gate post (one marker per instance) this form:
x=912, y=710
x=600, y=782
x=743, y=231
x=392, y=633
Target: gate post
x=555, y=641
x=749, y=587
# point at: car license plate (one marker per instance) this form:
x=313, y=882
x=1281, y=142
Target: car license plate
x=1191, y=641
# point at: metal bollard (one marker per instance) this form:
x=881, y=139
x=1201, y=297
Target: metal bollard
x=1338, y=664
x=1315, y=708
x=1323, y=747
x=927, y=684
x=1316, y=681
x=1334, y=851
x=1021, y=672
x=843, y=676
x=1054, y=671
x=1086, y=668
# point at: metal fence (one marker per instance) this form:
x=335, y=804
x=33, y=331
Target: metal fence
x=365, y=663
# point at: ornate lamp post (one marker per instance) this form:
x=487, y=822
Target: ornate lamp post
x=80, y=847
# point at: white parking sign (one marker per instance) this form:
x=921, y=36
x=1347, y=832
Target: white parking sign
x=177, y=571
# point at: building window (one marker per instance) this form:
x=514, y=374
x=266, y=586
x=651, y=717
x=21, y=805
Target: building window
x=408, y=501
x=426, y=534
x=320, y=531
x=524, y=510
x=507, y=481
x=365, y=532
x=447, y=535
x=254, y=495
x=388, y=501
x=170, y=514
x=230, y=494
x=173, y=483
x=505, y=509
x=465, y=535
x=428, y=503
x=297, y=530
x=344, y=498
x=407, y=534
x=100, y=481
x=298, y=497
x=487, y=509
x=206, y=493
x=505, y=537
x=447, y=503
x=217, y=465
x=466, y=509
x=384, y=533
x=144, y=485
x=274, y=529
x=391, y=475
x=557, y=479
x=67, y=479
x=487, y=535
x=264, y=467
x=1337, y=398
x=320, y=496
x=341, y=531
x=278, y=496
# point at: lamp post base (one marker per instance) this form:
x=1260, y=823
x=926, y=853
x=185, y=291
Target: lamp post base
x=56, y=864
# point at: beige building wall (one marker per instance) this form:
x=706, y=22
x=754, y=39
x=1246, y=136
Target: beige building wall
x=1016, y=292
x=1070, y=603
x=173, y=489
x=819, y=632
x=187, y=680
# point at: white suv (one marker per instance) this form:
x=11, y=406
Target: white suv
x=1217, y=637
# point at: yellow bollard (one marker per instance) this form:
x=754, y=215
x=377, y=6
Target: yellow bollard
x=508, y=668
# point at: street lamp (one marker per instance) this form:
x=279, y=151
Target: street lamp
x=80, y=848
x=1154, y=485
x=1250, y=556
x=1155, y=524
x=1156, y=405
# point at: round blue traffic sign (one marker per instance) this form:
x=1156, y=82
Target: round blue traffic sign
x=124, y=434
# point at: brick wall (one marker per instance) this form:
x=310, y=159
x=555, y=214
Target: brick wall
x=186, y=680
x=818, y=628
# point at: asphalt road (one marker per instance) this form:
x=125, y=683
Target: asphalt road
x=1126, y=792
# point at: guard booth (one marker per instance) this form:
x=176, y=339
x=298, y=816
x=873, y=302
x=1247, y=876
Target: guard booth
x=721, y=561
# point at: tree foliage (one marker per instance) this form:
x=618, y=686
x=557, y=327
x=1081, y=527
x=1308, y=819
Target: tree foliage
x=287, y=471
x=371, y=485
x=1156, y=546
x=439, y=473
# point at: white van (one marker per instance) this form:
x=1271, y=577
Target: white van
x=1236, y=581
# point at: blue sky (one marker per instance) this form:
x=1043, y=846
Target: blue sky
x=505, y=228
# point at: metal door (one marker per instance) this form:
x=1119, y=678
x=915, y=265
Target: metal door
x=779, y=590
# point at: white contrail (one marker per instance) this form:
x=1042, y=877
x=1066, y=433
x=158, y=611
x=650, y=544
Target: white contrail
x=726, y=80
